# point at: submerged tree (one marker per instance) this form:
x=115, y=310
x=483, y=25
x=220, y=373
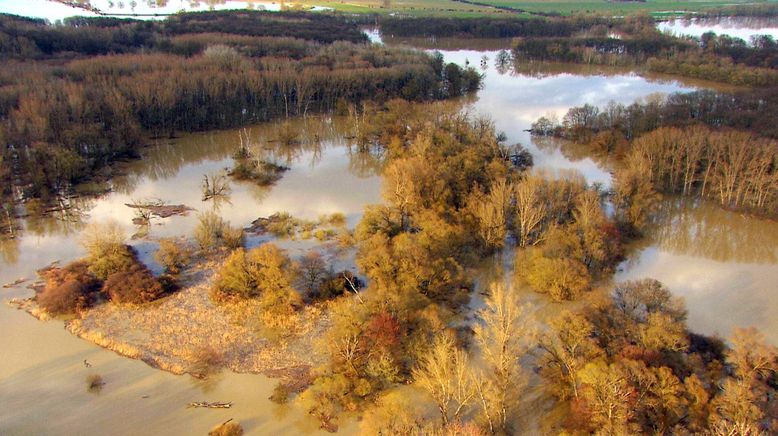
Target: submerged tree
x=444, y=374
x=502, y=339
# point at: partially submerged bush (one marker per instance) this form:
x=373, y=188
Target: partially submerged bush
x=212, y=232
x=228, y=428
x=280, y=393
x=173, y=255
x=94, y=383
x=282, y=225
x=135, y=285
x=69, y=289
x=209, y=230
x=232, y=237
x=337, y=219
x=259, y=171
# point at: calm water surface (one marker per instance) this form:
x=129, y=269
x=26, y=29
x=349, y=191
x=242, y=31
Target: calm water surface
x=702, y=253
x=41, y=372
x=738, y=27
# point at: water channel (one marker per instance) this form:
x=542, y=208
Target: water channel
x=724, y=264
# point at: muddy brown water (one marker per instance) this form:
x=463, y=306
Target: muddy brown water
x=722, y=263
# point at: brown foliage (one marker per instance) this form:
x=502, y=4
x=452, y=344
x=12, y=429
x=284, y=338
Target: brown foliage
x=227, y=429
x=69, y=289
x=135, y=285
x=383, y=331
x=173, y=255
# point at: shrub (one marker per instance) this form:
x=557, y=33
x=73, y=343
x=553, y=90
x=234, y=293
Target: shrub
x=280, y=393
x=282, y=225
x=227, y=429
x=234, y=280
x=212, y=232
x=337, y=219
x=136, y=285
x=97, y=236
x=338, y=284
x=115, y=259
x=106, y=251
x=311, y=271
x=94, y=383
x=232, y=237
x=206, y=361
x=209, y=230
x=222, y=55
x=264, y=272
x=172, y=255
x=323, y=235
x=215, y=186
x=69, y=289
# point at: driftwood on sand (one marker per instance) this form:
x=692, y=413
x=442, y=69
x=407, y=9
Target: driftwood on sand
x=208, y=405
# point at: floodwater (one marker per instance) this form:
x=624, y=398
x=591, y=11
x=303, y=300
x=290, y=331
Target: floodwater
x=42, y=372
x=53, y=10
x=738, y=27
x=724, y=264
x=702, y=253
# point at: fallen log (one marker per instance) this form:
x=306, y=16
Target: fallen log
x=161, y=210
x=208, y=405
x=15, y=283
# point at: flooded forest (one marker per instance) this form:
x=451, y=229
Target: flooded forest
x=272, y=220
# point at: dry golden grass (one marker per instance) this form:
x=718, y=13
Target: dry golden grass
x=174, y=333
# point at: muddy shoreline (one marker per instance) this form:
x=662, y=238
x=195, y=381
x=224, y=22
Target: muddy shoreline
x=185, y=333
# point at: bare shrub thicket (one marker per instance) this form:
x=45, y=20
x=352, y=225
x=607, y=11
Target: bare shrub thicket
x=69, y=289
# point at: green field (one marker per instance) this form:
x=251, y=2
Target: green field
x=463, y=8
x=413, y=7
x=602, y=6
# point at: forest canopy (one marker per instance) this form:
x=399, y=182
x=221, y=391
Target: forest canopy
x=78, y=96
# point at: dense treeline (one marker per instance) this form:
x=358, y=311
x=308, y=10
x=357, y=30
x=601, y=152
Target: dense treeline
x=572, y=242
x=490, y=27
x=598, y=49
x=64, y=121
x=755, y=111
x=628, y=365
x=736, y=168
x=632, y=41
x=28, y=38
x=761, y=52
x=636, y=41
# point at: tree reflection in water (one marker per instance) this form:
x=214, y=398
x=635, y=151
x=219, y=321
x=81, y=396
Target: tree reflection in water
x=701, y=229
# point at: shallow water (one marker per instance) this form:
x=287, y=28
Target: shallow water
x=738, y=27
x=724, y=264
x=42, y=374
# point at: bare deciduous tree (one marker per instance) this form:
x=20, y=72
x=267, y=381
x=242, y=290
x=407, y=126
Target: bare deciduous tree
x=444, y=374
